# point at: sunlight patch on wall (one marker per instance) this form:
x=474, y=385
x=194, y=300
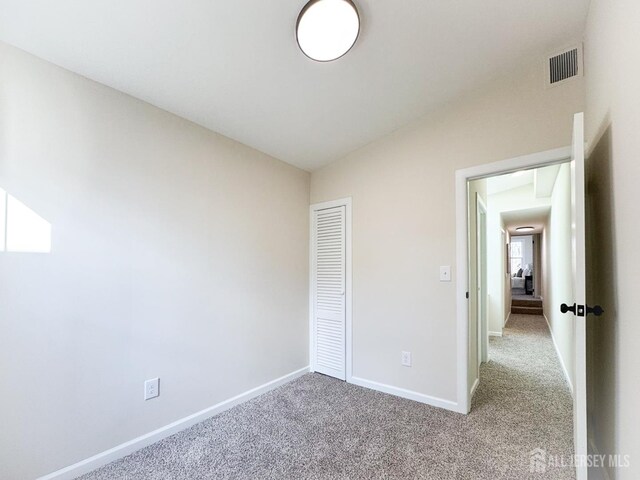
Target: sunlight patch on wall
x=22, y=229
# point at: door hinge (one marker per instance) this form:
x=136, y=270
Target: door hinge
x=467, y=295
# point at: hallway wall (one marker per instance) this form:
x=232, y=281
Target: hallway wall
x=557, y=270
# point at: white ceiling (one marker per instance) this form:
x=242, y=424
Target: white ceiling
x=545, y=180
x=531, y=217
x=508, y=181
x=234, y=66
x=542, y=179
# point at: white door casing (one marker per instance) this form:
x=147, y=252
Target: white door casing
x=481, y=271
x=463, y=176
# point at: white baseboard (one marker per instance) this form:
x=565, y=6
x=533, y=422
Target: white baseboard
x=495, y=334
x=409, y=394
x=124, y=449
x=564, y=367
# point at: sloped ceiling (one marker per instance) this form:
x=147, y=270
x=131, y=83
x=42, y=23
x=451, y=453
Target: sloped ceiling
x=234, y=66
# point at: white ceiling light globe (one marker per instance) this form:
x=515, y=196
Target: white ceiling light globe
x=327, y=29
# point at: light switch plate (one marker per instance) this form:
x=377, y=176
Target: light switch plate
x=445, y=273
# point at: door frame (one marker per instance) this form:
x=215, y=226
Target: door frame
x=482, y=299
x=463, y=176
x=343, y=202
x=534, y=254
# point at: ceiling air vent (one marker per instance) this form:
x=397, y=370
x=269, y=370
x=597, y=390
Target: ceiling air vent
x=565, y=65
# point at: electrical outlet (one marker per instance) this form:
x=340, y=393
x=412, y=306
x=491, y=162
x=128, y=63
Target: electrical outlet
x=151, y=388
x=406, y=359
x=445, y=273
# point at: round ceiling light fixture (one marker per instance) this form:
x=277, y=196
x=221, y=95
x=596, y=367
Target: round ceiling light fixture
x=327, y=29
x=524, y=229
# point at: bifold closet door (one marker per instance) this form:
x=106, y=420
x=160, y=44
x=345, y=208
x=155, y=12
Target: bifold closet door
x=329, y=288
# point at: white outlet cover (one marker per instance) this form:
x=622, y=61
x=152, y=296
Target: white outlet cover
x=151, y=388
x=445, y=273
x=406, y=359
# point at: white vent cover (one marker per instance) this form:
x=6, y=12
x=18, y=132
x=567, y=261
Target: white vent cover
x=564, y=65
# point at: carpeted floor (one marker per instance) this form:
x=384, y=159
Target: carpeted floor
x=320, y=428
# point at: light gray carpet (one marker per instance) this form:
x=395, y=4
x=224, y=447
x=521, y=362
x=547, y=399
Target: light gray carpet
x=320, y=428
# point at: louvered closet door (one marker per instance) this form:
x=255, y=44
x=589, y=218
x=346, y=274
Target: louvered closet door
x=329, y=292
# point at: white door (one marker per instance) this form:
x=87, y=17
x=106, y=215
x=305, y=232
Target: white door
x=329, y=292
x=579, y=292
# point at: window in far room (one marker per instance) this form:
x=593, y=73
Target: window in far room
x=516, y=257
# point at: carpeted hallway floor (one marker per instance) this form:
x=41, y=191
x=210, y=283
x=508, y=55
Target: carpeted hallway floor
x=320, y=428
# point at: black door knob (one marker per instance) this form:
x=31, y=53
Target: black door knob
x=597, y=310
x=579, y=310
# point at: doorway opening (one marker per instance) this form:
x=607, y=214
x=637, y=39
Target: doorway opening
x=506, y=275
x=552, y=183
x=521, y=259
x=525, y=270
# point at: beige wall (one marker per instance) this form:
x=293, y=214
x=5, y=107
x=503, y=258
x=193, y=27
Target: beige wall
x=404, y=219
x=177, y=253
x=612, y=50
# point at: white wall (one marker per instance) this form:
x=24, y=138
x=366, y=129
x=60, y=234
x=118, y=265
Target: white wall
x=612, y=69
x=176, y=253
x=558, y=275
x=403, y=191
x=515, y=199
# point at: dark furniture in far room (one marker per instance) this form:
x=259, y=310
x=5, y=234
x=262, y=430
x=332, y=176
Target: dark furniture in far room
x=528, y=285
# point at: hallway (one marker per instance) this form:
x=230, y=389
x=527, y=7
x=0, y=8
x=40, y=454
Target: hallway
x=523, y=396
